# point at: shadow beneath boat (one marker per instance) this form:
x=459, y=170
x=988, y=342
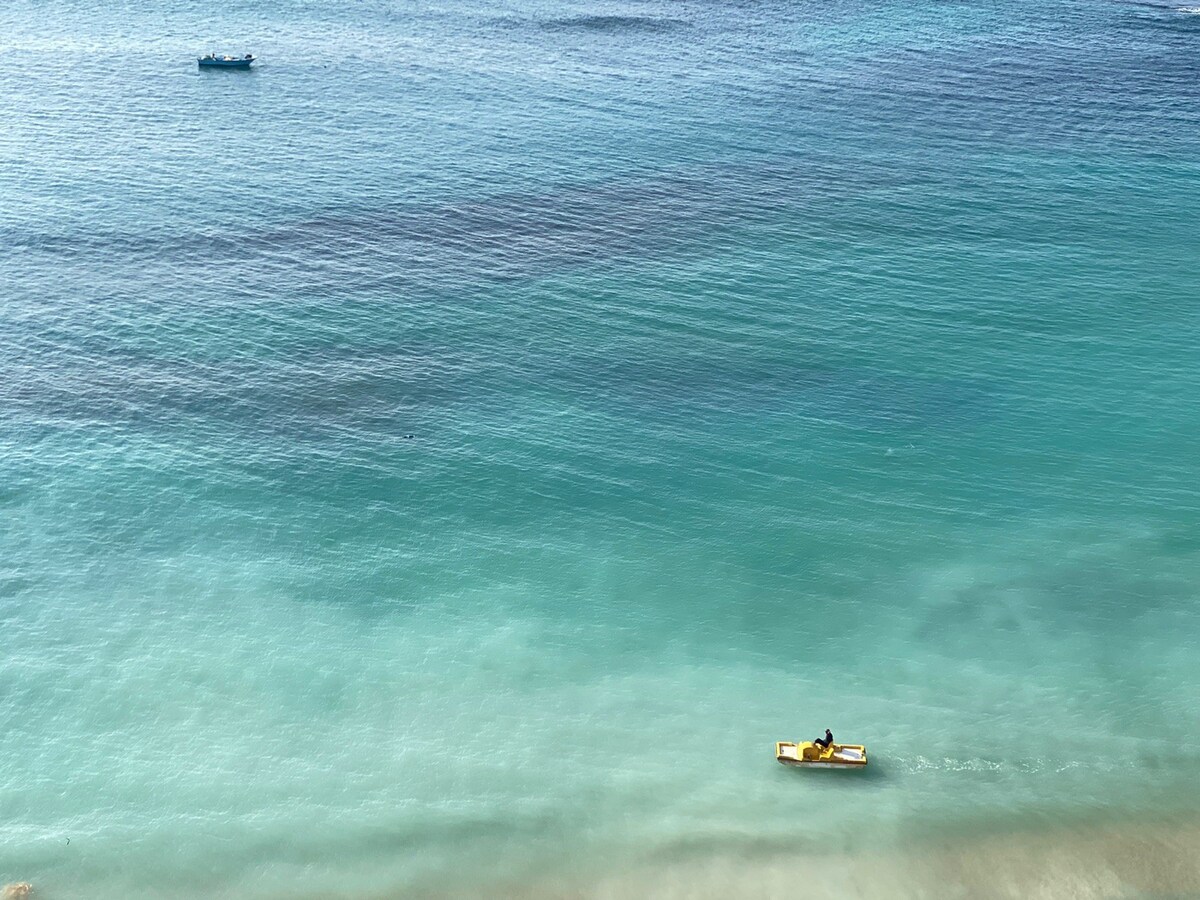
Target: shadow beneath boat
x=871, y=774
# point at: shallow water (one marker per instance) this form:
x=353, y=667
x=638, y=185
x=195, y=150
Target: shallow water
x=447, y=457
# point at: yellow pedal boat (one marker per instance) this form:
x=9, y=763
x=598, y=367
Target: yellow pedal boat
x=835, y=756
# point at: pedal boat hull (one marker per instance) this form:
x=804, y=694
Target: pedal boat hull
x=811, y=756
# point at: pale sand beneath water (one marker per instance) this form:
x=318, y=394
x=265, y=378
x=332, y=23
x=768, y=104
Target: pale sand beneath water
x=1145, y=861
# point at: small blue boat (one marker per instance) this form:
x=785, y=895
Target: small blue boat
x=213, y=61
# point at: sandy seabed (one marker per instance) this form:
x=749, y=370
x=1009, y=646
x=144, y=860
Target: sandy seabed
x=1138, y=860
x=1155, y=861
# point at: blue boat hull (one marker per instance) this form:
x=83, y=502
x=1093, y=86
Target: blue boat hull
x=224, y=63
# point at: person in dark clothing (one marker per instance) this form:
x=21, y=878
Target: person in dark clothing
x=824, y=742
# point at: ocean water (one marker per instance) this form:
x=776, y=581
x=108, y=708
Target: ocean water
x=443, y=460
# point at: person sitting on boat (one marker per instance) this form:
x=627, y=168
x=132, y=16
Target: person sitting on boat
x=824, y=742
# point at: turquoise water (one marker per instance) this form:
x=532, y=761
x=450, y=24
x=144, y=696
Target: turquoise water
x=446, y=458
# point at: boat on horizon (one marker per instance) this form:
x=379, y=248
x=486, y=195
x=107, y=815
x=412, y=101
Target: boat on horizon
x=223, y=61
